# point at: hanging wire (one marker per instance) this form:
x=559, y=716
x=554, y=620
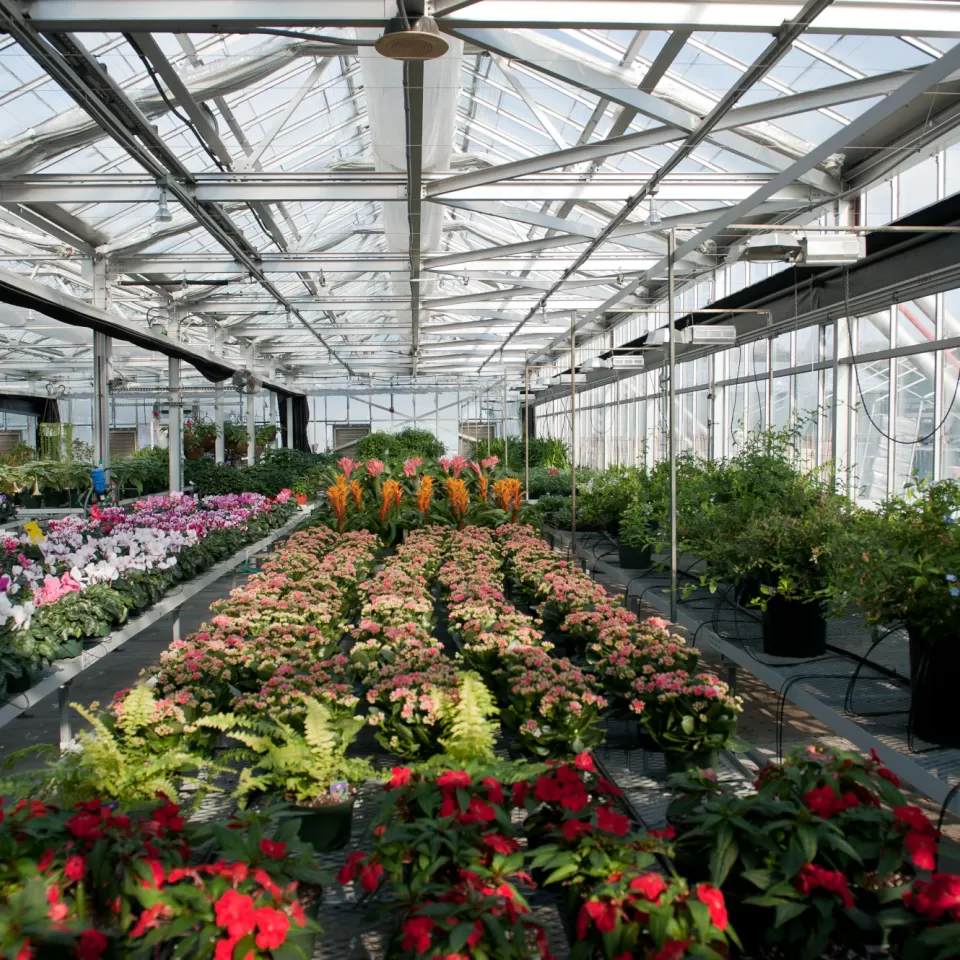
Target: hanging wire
x=856, y=374
x=296, y=35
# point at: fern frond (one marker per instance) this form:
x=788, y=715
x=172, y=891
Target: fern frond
x=471, y=732
x=317, y=730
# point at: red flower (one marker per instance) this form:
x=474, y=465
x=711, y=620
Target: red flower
x=713, y=898
x=234, y=912
x=500, y=843
x=605, y=787
x=546, y=790
x=936, y=898
x=812, y=877
x=494, y=789
x=672, y=950
x=43, y=864
x=399, y=777
x=648, y=885
x=25, y=952
x=272, y=849
x=148, y=919
x=370, y=874
x=478, y=811
x=520, y=791
x=448, y=806
x=583, y=761
x=667, y=833
x=416, y=932
x=157, y=874
x=822, y=802
x=888, y=775
x=91, y=946
x=923, y=849
x=58, y=912
x=454, y=779
x=612, y=822
x=572, y=829
x=296, y=911
x=168, y=816
x=224, y=948
x=272, y=927
x=349, y=870
x=75, y=868
x=913, y=818
x=603, y=914
x=85, y=826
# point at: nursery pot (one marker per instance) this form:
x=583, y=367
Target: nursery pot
x=680, y=761
x=747, y=589
x=301, y=498
x=328, y=827
x=933, y=671
x=19, y=684
x=636, y=558
x=209, y=444
x=194, y=452
x=793, y=628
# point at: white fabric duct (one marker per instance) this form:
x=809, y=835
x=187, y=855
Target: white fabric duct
x=74, y=128
x=383, y=87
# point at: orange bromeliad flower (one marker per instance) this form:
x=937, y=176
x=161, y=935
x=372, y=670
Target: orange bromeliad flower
x=507, y=493
x=425, y=493
x=337, y=495
x=356, y=491
x=459, y=499
x=392, y=492
x=483, y=487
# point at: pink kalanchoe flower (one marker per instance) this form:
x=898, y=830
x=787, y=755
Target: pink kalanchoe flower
x=347, y=466
x=410, y=467
x=489, y=462
x=374, y=467
x=458, y=464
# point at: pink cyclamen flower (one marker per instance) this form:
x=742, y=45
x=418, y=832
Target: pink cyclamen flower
x=374, y=467
x=410, y=467
x=347, y=466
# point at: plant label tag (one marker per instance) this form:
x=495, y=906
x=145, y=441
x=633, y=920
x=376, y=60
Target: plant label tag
x=340, y=791
x=33, y=531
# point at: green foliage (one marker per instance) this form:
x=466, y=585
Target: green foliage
x=543, y=452
x=471, y=732
x=602, y=499
x=396, y=447
x=302, y=766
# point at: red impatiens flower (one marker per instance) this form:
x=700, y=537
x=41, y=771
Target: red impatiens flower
x=936, y=898
x=604, y=914
x=914, y=819
x=349, y=870
x=520, y=792
x=272, y=927
x=821, y=801
x=667, y=833
x=234, y=912
x=494, y=789
x=91, y=945
x=416, y=934
x=168, y=816
x=454, y=779
x=500, y=843
x=370, y=874
x=85, y=826
x=274, y=849
x=149, y=919
x=812, y=877
x=43, y=864
x=713, y=898
x=572, y=829
x=923, y=849
x=583, y=761
x=648, y=885
x=399, y=777
x=75, y=868
x=672, y=950
x=612, y=822
x=478, y=811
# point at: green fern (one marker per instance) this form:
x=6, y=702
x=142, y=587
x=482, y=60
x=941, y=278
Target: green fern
x=471, y=733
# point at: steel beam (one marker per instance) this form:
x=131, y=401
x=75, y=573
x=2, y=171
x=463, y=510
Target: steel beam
x=933, y=18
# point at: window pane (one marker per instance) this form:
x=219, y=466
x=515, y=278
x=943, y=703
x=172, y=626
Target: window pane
x=950, y=432
x=872, y=422
x=915, y=378
x=873, y=332
x=916, y=321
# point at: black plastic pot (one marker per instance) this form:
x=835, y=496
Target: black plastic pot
x=793, y=628
x=748, y=589
x=636, y=558
x=326, y=828
x=933, y=671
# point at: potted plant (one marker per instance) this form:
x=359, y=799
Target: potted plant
x=900, y=564
x=302, y=491
x=235, y=437
x=690, y=717
x=199, y=437
x=637, y=535
x=309, y=770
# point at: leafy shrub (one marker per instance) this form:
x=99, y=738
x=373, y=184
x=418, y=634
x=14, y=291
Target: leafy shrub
x=400, y=446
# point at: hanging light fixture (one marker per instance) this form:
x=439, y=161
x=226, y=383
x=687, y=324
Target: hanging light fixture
x=653, y=217
x=543, y=312
x=163, y=214
x=323, y=281
x=412, y=39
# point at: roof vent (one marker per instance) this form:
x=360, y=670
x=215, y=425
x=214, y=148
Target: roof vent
x=420, y=41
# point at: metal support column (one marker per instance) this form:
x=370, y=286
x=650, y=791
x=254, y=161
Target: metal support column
x=251, y=428
x=102, y=347
x=273, y=417
x=289, y=423
x=175, y=624
x=506, y=446
x=672, y=424
x=573, y=434
x=219, y=450
x=526, y=430
x=175, y=429
x=63, y=710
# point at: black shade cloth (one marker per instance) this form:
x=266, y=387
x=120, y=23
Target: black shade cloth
x=301, y=418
